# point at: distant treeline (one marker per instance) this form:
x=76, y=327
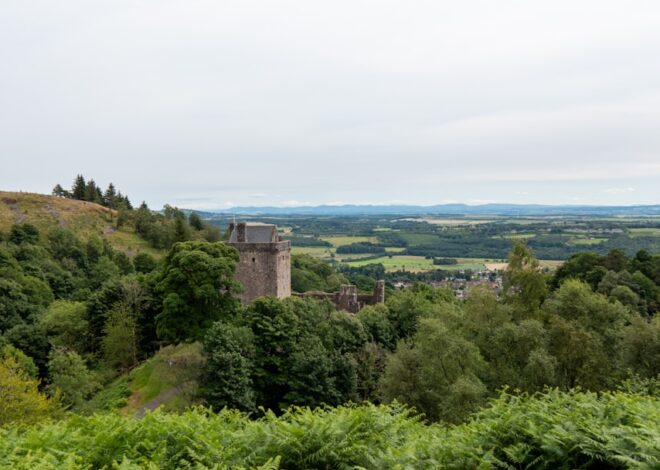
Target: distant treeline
x=308, y=241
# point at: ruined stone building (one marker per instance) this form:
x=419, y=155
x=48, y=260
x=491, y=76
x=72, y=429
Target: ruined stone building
x=348, y=298
x=264, y=266
x=264, y=269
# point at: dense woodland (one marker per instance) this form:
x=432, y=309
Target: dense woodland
x=76, y=314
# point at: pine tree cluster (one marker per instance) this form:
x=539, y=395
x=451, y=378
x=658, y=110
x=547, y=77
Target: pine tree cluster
x=89, y=191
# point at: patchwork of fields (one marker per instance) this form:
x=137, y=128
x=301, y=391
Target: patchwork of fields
x=419, y=263
x=411, y=243
x=394, y=261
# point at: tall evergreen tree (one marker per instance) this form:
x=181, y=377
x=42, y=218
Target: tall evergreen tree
x=91, y=192
x=99, y=196
x=110, y=197
x=79, y=188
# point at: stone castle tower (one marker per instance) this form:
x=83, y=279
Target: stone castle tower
x=264, y=266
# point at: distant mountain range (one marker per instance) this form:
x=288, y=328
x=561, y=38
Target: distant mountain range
x=449, y=209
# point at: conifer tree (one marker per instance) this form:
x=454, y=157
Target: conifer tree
x=99, y=196
x=110, y=197
x=79, y=188
x=91, y=192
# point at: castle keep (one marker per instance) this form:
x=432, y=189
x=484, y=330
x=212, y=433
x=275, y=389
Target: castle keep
x=264, y=266
x=264, y=269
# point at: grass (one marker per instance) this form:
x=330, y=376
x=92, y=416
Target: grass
x=353, y=256
x=339, y=240
x=644, y=232
x=415, y=239
x=170, y=367
x=515, y=236
x=315, y=251
x=85, y=219
x=326, y=253
x=395, y=263
x=131, y=244
x=47, y=212
x=450, y=221
x=173, y=367
x=544, y=263
x=586, y=241
x=419, y=264
x=551, y=263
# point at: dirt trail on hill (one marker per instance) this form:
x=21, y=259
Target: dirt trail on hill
x=161, y=399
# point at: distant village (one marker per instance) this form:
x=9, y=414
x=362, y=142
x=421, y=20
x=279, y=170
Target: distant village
x=464, y=281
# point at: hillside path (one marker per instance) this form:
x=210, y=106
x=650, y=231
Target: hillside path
x=161, y=399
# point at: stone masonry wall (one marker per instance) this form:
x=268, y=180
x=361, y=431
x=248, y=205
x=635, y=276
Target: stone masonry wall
x=263, y=269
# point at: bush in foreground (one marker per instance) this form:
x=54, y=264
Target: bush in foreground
x=551, y=430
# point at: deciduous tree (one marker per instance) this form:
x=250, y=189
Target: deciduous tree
x=197, y=287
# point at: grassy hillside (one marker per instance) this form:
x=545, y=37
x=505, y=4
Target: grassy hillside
x=84, y=218
x=168, y=379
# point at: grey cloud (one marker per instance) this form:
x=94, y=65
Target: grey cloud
x=210, y=102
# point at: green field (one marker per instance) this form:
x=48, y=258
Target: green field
x=644, y=232
x=315, y=251
x=419, y=263
x=395, y=263
x=352, y=256
x=327, y=253
x=519, y=236
x=514, y=236
x=586, y=241
x=419, y=238
x=450, y=221
x=340, y=240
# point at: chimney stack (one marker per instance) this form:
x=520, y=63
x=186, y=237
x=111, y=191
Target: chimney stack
x=241, y=233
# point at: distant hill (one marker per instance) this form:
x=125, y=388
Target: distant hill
x=452, y=209
x=84, y=218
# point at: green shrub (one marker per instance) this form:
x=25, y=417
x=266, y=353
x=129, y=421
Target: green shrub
x=550, y=430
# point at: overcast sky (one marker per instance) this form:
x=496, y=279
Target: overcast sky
x=207, y=104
